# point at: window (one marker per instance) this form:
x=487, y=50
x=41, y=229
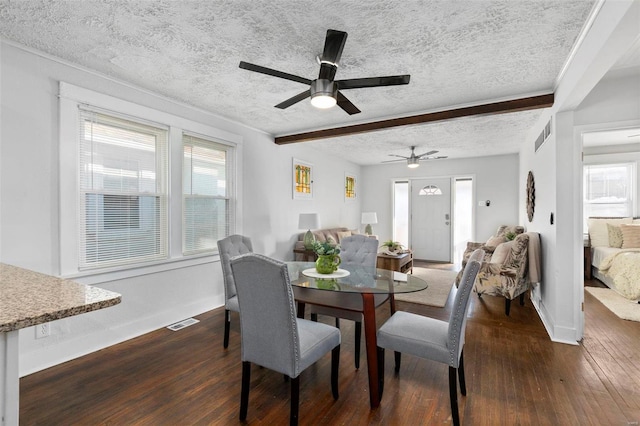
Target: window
x=608, y=190
x=206, y=208
x=123, y=198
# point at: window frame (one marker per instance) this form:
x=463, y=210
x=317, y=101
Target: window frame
x=632, y=189
x=71, y=98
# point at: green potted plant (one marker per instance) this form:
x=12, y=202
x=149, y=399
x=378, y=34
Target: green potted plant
x=328, y=259
x=392, y=246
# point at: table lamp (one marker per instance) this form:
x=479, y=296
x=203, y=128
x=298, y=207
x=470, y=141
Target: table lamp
x=369, y=218
x=308, y=221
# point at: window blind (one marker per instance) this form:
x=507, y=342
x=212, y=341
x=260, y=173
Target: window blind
x=122, y=189
x=207, y=203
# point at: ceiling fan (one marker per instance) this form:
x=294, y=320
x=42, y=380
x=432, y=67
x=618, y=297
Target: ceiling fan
x=324, y=91
x=413, y=160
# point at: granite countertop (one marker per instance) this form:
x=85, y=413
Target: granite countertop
x=29, y=298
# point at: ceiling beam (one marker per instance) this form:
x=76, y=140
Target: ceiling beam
x=522, y=104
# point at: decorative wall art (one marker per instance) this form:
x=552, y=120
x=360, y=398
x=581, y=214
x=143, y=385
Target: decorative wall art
x=531, y=196
x=302, y=180
x=350, y=189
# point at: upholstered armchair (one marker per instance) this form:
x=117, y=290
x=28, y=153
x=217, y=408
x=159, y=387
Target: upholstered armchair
x=510, y=269
x=498, y=238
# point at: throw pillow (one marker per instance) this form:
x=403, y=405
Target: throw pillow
x=615, y=235
x=630, y=236
x=598, y=230
x=344, y=234
x=501, y=252
x=495, y=241
x=331, y=240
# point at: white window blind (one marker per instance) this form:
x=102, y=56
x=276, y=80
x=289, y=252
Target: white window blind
x=123, y=196
x=207, y=203
x=608, y=190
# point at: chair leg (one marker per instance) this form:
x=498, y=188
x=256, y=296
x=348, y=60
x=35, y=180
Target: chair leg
x=358, y=338
x=398, y=357
x=337, y=322
x=380, y=371
x=522, y=299
x=463, y=385
x=227, y=326
x=244, y=393
x=295, y=401
x=314, y=317
x=335, y=369
x=507, y=306
x=453, y=395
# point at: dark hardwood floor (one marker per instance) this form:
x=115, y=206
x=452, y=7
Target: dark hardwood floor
x=515, y=376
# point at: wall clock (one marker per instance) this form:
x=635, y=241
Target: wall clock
x=531, y=196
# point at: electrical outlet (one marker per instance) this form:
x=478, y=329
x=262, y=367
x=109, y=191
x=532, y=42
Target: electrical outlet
x=43, y=330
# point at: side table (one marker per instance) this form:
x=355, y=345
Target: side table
x=308, y=255
x=401, y=263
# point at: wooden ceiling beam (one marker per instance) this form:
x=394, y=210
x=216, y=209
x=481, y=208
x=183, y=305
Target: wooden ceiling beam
x=514, y=105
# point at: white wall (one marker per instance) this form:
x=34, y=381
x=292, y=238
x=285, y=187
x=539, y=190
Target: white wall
x=495, y=179
x=29, y=206
x=584, y=101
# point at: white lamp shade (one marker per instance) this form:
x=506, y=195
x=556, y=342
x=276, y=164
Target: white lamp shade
x=369, y=218
x=308, y=221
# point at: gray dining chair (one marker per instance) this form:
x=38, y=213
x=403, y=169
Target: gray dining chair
x=229, y=247
x=271, y=335
x=355, y=250
x=431, y=338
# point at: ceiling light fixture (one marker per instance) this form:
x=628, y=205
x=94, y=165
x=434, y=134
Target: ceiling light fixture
x=413, y=162
x=324, y=93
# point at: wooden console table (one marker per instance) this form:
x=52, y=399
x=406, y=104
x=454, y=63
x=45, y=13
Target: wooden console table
x=401, y=263
x=308, y=255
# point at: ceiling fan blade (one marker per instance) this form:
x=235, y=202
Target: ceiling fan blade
x=294, y=99
x=357, y=83
x=333, y=45
x=434, y=158
x=427, y=154
x=393, y=161
x=401, y=156
x=274, y=73
x=346, y=105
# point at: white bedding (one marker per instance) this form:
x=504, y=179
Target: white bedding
x=621, y=267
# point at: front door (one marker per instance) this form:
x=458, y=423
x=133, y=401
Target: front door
x=431, y=219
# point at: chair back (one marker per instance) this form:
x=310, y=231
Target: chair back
x=268, y=324
x=229, y=247
x=458, y=318
x=359, y=250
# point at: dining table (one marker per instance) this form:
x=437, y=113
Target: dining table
x=355, y=288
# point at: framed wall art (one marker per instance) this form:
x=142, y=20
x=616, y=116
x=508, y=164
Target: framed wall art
x=302, y=180
x=350, y=187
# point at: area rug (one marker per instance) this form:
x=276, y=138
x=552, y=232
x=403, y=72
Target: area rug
x=440, y=283
x=623, y=308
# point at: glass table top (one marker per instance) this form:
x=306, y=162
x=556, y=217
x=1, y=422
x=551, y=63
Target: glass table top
x=358, y=280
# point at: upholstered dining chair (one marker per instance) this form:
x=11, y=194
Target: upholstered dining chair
x=431, y=338
x=229, y=247
x=356, y=250
x=271, y=334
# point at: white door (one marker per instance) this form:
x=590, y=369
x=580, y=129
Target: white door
x=431, y=219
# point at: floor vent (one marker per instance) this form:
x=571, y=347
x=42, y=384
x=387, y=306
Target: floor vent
x=182, y=324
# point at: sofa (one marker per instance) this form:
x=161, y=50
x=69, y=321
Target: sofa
x=332, y=235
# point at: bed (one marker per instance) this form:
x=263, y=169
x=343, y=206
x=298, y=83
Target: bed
x=615, y=254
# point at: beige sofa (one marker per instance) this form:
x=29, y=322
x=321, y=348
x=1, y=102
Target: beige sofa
x=322, y=235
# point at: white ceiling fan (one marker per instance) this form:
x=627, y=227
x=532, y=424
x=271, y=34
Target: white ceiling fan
x=413, y=160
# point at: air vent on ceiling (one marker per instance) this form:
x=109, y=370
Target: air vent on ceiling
x=546, y=132
x=182, y=324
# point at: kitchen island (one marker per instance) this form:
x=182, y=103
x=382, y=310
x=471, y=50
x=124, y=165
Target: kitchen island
x=29, y=298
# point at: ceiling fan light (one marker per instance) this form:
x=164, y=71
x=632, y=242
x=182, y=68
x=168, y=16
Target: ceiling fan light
x=324, y=93
x=412, y=163
x=323, y=101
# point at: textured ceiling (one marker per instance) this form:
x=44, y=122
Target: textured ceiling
x=458, y=53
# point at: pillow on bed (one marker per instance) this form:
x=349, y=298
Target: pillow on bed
x=615, y=235
x=598, y=230
x=630, y=236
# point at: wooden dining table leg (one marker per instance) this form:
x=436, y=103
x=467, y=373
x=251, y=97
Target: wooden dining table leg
x=300, y=309
x=371, y=341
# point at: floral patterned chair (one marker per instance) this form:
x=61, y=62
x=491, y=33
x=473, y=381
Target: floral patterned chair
x=504, y=271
